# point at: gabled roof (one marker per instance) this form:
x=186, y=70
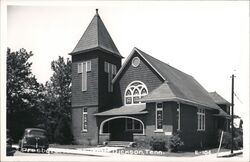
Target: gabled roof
x=135, y=50
x=96, y=36
x=177, y=84
x=125, y=110
x=183, y=86
x=218, y=99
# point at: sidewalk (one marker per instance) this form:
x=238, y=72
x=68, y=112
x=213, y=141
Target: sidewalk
x=238, y=154
x=99, y=151
x=109, y=151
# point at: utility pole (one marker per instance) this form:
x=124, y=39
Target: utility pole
x=232, y=114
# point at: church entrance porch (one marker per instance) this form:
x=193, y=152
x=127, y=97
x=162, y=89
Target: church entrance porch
x=121, y=128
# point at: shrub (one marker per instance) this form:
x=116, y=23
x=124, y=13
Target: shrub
x=227, y=140
x=175, y=142
x=159, y=143
x=164, y=143
x=238, y=137
x=143, y=143
x=238, y=142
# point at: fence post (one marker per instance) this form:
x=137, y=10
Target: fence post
x=221, y=137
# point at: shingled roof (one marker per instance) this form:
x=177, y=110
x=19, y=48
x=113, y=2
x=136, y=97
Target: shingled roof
x=125, y=110
x=96, y=36
x=180, y=85
x=218, y=99
x=177, y=84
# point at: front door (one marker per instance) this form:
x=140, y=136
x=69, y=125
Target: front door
x=118, y=132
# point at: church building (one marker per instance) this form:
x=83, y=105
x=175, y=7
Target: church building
x=141, y=98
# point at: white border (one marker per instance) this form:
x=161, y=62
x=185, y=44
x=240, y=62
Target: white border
x=3, y=35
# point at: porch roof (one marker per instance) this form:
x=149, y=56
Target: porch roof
x=222, y=114
x=125, y=110
x=167, y=91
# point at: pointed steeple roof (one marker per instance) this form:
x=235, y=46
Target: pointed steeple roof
x=96, y=36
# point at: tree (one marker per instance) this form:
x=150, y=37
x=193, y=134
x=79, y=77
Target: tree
x=24, y=93
x=58, y=102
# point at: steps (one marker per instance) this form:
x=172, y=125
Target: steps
x=120, y=143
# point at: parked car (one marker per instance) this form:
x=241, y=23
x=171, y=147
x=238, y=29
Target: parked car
x=34, y=138
x=9, y=149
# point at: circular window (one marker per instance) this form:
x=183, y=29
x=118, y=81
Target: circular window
x=135, y=61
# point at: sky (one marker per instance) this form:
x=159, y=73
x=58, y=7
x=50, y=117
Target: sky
x=208, y=40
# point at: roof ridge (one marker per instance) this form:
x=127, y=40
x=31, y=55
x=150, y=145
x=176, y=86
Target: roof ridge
x=98, y=17
x=144, y=53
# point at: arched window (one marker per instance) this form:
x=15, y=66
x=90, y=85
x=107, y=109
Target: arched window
x=134, y=92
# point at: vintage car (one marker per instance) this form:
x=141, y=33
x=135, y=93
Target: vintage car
x=35, y=139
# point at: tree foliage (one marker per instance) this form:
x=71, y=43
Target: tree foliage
x=58, y=101
x=30, y=104
x=24, y=93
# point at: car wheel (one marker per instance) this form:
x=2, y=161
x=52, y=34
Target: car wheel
x=20, y=145
x=21, y=148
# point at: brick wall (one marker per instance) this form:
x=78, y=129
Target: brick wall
x=168, y=118
x=80, y=137
x=106, y=98
x=89, y=97
x=97, y=80
x=189, y=124
x=211, y=128
x=191, y=137
x=96, y=98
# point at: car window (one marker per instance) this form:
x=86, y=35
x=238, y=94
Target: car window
x=37, y=132
x=26, y=133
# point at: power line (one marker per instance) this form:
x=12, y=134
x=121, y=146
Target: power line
x=238, y=98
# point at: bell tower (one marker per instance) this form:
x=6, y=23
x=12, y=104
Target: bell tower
x=95, y=61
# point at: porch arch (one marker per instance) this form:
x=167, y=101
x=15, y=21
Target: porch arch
x=119, y=117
